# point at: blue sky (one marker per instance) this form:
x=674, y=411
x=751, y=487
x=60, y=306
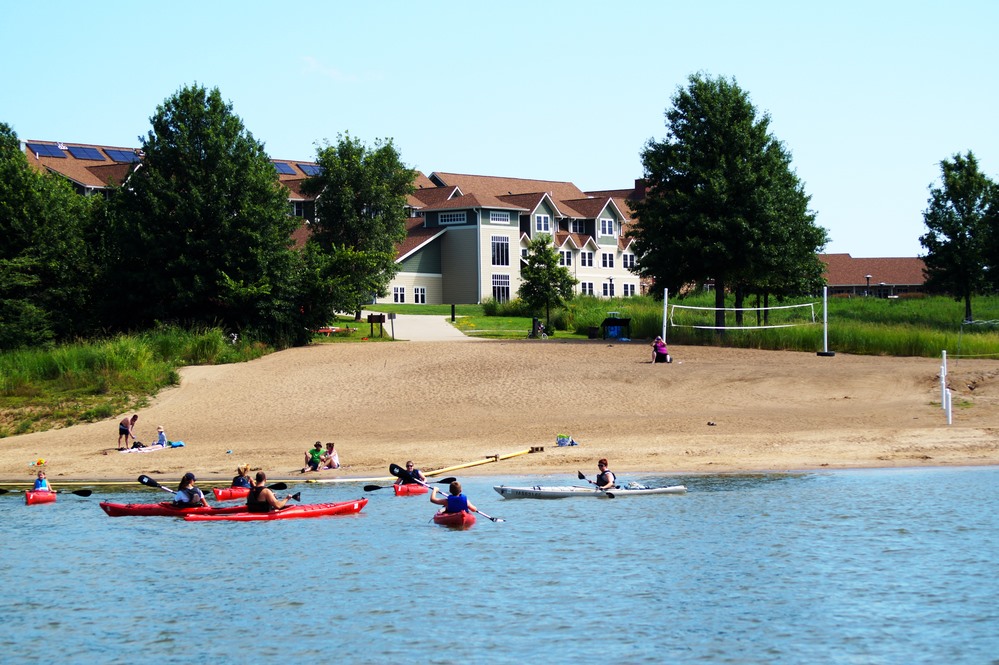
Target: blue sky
x=869, y=97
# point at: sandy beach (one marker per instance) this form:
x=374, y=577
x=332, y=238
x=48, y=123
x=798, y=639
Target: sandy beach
x=446, y=403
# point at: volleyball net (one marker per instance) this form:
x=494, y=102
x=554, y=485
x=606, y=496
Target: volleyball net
x=742, y=318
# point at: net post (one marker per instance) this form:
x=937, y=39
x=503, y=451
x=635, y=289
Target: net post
x=943, y=380
x=665, y=305
x=825, y=352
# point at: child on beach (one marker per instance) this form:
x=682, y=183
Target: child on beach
x=313, y=457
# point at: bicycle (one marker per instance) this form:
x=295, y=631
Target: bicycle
x=541, y=334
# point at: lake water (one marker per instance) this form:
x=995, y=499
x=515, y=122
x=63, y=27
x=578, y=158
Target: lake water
x=877, y=566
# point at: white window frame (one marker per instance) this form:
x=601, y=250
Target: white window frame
x=543, y=223
x=565, y=258
x=499, y=216
x=627, y=290
x=577, y=226
x=420, y=295
x=607, y=227
x=501, y=288
x=500, y=245
x=586, y=259
x=608, y=289
x=399, y=294
x=586, y=288
x=628, y=260
x=447, y=218
x=607, y=260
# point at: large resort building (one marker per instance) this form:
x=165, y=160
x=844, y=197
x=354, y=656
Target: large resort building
x=467, y=235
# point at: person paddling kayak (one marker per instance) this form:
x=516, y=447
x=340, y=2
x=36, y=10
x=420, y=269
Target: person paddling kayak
x=261, y=499
x=188, y=494
x=455, y=502
x=410, y=476
x=242, y=477
x=42, y=483
x=606, y=480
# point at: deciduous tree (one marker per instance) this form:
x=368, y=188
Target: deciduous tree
x=544, y=282
x=962, y=219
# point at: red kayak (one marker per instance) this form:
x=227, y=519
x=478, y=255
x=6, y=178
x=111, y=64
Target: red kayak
x=289, y=512
x=31, y=497
x=163, y=509
x=230, y=493
x=409, y=488
x=461, y=520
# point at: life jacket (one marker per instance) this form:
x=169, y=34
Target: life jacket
x=606, y=477
x=253, y=502
x=456, y=504
x=241, y=481
x=186, y=497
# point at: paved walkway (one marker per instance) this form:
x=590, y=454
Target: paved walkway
x=420, y=328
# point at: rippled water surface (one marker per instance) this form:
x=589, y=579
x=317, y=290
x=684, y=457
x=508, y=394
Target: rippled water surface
x=887, y=566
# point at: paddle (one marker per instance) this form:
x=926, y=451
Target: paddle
x=610, y=495
x=372, y=488
x=149, y=482
x=76, y=492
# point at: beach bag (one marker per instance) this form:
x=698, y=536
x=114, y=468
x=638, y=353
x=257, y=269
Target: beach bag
x=138, y=444
x=176, y=444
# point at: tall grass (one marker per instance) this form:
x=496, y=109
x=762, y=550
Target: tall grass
x=92, y=380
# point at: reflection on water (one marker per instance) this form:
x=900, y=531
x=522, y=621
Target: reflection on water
x=859, y=566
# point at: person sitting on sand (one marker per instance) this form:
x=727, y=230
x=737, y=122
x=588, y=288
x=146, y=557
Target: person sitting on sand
x=455, y=502
x=313, y=457
x=242, y=478
x=261, y=499
x=410, y=476
x=660, y=354
x=330, y=459
x=161, y=439
x=188, y=495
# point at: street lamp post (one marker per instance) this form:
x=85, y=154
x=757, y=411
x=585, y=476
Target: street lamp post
x=611, y=289
x=868, y=291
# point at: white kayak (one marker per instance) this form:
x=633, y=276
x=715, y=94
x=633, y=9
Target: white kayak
x=562, y=492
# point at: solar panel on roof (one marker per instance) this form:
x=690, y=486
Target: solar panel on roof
x=46, y=150
x=310, y=169
x=283, y=168
x=86, y=153
x=125, y=156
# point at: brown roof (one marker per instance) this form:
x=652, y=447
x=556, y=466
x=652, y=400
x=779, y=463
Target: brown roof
x=476, y=200
x=498, y=186
x=844, y=270
x=431, y=197
x=85, y=172
x=416, y=235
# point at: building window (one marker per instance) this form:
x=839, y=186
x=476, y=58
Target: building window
x=628, y=260
x=501, y=251
x=451, y=218
x=628, y=290
x=577, y=226
x=586, y=288
x=542, y=223
x=565, y=258
x=499, y=217
x=298, y=208
x=398, y=294
x=608, y=289
x=606, y=227
x=607, y=260
x=501, y=288
x=420, y=295
x=586, y=259
x=523, y=252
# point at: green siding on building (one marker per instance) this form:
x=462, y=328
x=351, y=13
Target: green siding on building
x=427, y=260
x=460, y=266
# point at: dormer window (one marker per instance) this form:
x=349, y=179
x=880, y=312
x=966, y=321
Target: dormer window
x=607, y=227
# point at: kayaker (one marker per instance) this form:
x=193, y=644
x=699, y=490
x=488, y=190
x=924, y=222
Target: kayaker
x=261, y=499
x=411, y=476
x=455, y=502
x=606, y=480
x=42, y=483
x=313, y=457
x=242, y=478
x=188, y=494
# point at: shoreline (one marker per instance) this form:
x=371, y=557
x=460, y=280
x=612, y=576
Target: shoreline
x=714, y=410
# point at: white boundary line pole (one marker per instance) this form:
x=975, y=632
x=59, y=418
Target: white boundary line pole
x=950, y=410
x=825, y=324
x=665, y=305
x=943, y=381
